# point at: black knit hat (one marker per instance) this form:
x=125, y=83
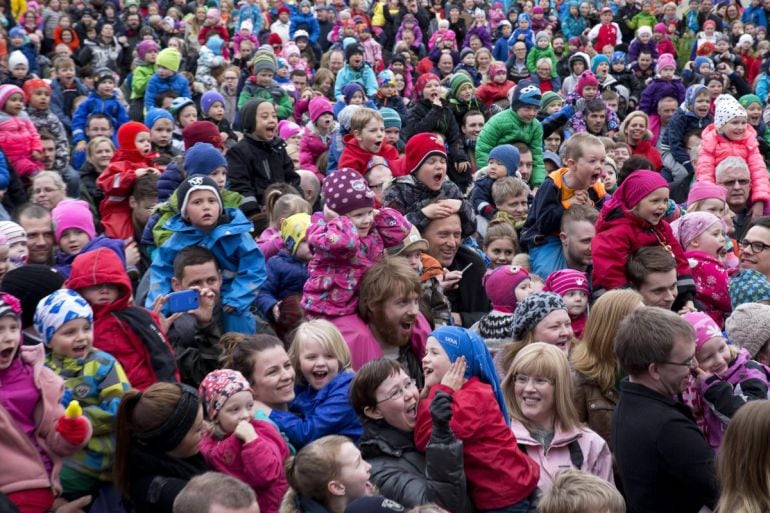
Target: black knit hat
x=31, y=283
x=192, y=184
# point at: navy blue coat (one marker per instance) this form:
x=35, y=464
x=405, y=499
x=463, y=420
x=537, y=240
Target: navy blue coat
x=285, y=276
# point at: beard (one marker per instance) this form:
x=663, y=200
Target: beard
x=392, y=331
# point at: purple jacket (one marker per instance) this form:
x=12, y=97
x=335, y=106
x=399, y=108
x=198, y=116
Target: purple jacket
x=636, y=47
x=658, y=89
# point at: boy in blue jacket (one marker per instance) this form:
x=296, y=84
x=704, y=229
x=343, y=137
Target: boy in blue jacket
x=355, y=70
x=103, y=100
x=166, y=78
x=203, y=221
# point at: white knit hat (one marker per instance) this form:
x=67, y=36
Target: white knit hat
x=16, y=58
x=726, y=108
x=749, y=326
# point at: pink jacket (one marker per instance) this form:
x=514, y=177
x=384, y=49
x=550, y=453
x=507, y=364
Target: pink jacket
x=597, y=459
x=18, y=139
x=365, y=348
x=24, y=469
x=311, y=146
x=711, y=285
x=270, y=242
x=258, y=463
x=341, y=257
x=714, y=148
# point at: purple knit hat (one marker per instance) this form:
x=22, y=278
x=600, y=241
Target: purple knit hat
x=688, y=228
x=500, y=285
x=145, y=47
x=318, y=107
x=346, y=190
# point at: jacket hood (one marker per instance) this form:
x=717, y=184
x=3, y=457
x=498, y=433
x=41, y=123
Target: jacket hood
x=578, y=55
x=101, y=266
x=235, y=222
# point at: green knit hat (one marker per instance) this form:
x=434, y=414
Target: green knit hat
x=263, y=61
x=170, y=58
x=549, y=98
x=748, y=99
x=458, y=82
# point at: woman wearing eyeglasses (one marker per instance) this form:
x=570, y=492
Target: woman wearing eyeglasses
x=385, y=399
x=538, y=394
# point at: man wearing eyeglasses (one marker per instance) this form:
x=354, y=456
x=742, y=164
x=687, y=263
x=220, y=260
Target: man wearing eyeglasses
x=665, y=463
x=733, y=174
x=754, y=247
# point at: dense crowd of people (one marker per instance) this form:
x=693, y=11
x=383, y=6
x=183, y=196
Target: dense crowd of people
x=384, y=255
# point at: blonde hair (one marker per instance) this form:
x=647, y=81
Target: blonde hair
x=499, y=229
x=326, y=334
x=575, y=146
x=545, y=361
x=96, y=141
x=508, y=186
x=53, y=175
x=743, y=464
x=362, y=117
x=595, y=356
x=574, y=491
x=280, y=206
x=629, y=117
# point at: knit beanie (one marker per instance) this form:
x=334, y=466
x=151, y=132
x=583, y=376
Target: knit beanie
x=745, y=100
x=192, y=184
x=213, y=14
x=71, y=213
x=348, y=90
x=419, y=86
x=598, y=59
x=217, y=387
x=665, y=61
x=281, y=63
x=318, y=107
x=469, y=51
x=525, y=94
x=634, y=189
x=353, y=49
x=10, y=305
x=293, y=231
x=203, y=159
x=390, y=117
x=618, y=56
x=169, y=58
x=508, y=155
x=749, y=327
x=179, y=104
x=704, y=326
x=542, y=35
x=17, y=31
x=127, y=134
x=208, y=99
x=8, y=90
x=300, y=34
x=101, y=75
x=248, y=25
x=500, y=285
x=459, y=81
x=549, y=98
x=749, y=286
x=746, y=38
x=59, y=308
x=346, y=190
x=386, y=78
x=586, y=79
x=644, y=29
x=726, y=108
x=290, y=49
x=345, y=117
x=553, y=157
x=412, y=241
x=660, y=28
x=13, y=232
x=30, y=283
x=32, y=85
x=496, y=68
x=202, y=131
x=146, y=46
x=691, y=94
x=275, y=40
x=288, y=129
x=688, y=228
x=703, y=190
x=566, y=280
x=155, y=114
x=534, y=309
x=215, y=44
x=700, y=61
x=263, y=61
x=419, y=148
x=17, y=58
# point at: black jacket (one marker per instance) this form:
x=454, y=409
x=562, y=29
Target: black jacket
x=469, y=298
x=664, y=460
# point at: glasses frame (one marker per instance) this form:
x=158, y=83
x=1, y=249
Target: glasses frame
x=399, y=393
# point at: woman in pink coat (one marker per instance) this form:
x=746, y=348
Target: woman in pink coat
x=316, y=136
x=19, y=139
x=731, y=136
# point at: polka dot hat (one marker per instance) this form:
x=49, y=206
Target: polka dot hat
x=346, y=190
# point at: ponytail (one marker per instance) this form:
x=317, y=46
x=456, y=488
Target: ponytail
x=123, y=433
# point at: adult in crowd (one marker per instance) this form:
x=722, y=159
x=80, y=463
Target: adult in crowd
x=97, y=125
x=651, y=272
x=385, y=398
x=213, y=492
x=48, y=189
x=658, y=445
x=98, y=155
x=635, y=131
x=754, y=246
x=733, y=174
x=577, y=232
x=36, y=221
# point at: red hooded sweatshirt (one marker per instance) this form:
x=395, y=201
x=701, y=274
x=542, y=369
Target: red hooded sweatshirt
x=355, y=157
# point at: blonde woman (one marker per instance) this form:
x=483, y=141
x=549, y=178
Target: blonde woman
x=538, y=394
x=596, y=367
x=635, y=131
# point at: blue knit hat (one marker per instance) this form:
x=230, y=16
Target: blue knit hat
x=692, y=92
x=154, y=114
x=598, y=59
x=350, y=89
x=749, y=286
x=208, y=99
x=17, y=31
x=700, y=61
x=618, y=56
x=215, y=44
x=57, y=309
x=525, y=93
x=203, y=159
x=391, y=117
x=386, y=78
x=508, y=155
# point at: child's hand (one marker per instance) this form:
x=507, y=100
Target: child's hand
x=245, y=432
x=438, y=210
x=455, y=376
x=81, y=146
x=701, y=376
x=580, y=198
x=462, y=167
x=276, y=310
x=76, y=506
x=454, y=204
x=223, y=136
x=132, y=254
x=688, y=307
x=141, y=171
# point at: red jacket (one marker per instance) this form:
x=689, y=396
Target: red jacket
x=354, y=157
x=110, y=333
x=491, y=92
x=499, y=474
x=647, y=150
x=117, y=181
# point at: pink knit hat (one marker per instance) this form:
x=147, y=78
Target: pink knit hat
x=288, y=129
x=346, y=190
x=704, y=326
x=586, y=79
x=500, y=285
x=566, y=280
x=703, y=190
x=8, y=90
x=69, y=214
x=688, y=228
x=665, y=61
x=634, y=189
x=319, y=106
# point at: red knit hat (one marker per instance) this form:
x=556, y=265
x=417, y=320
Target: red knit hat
x=500, y=285
x=566, y=280
x=419, y=148
x=275, y=40
x=33, y=84
x=202, y=131
x=586, y=79
x=423, y=81
x=127, y=134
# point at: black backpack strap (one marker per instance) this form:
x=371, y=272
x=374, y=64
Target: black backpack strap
x=576, y=454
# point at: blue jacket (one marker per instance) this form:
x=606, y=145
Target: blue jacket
x=502, y=49
x=169, y=180
x=755, y=15
x=364, y=77
x=60, y=105
x=313, y=414
x=250, y=12
x=28, y=49
x=158, y=85
x=309, y=21
x=673, y=137
x=112, y=107
x=238, y=257
x=285, y=276
x=481, y=198
x=5, y=173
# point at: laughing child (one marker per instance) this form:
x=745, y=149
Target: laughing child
x=365, y=139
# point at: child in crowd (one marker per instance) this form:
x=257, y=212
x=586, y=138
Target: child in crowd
x=161, y=125
x=239, y=445
x=102, y=99
x=19, y=140
x=541, y=49
x=606, y=32
x=144, y=68
x=290, y=132
x=393, y=123
x=575, y=184
x=38, y=433
x=610, y=180
x=365, y=140
x=665, y=84
x=345, y=241
x=503, y=161
x=505, y=286
x=316, y=135
x=18, y=64
x=462, y=97
x=17, y=243
x=731, y=136
x=575, y=491
x=287, y=270
x=727, y=377
x=261, y=85
x=185, y=113
x=166, y=78
x=498, y=87
x=131, y=161
x=702, y=236
x=38, y=94
x=203, y=220
x=322, y=363
x=213, y=109
x=93, y=378
x=458, y=364
x=587, y=88
x=387, y=95
x=65, y=88
x=131, y=334
x=642, y=42
x=572, y=286
x=279, y=206
x=500, y=243
x=355, y=70
x=634, y=218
